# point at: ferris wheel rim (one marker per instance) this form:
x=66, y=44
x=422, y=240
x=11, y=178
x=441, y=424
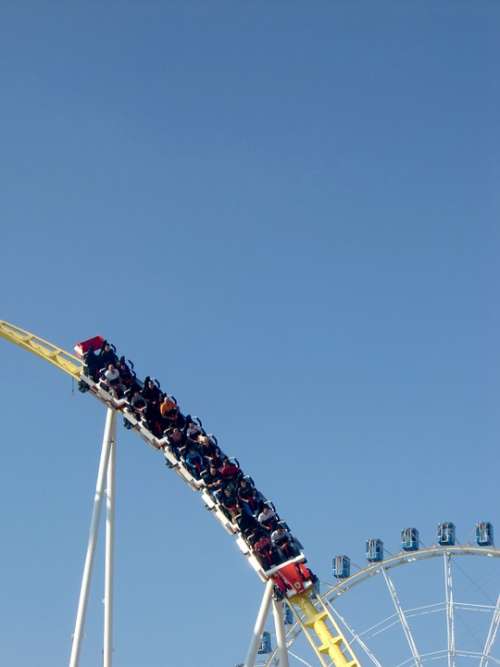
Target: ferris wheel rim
x=405, y=558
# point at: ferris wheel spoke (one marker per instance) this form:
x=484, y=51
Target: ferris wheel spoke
x=297, y=657
x=402, y=618
x=426, y=657
x=450, y=609
x=438, y=655
x=492, y=633
x=355, y=637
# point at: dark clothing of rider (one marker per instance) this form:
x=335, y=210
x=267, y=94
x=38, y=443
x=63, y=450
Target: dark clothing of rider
x=150, y=391
x=106, y=356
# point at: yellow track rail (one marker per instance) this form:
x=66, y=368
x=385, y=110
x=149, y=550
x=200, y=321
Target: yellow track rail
x=320, y=622
x=42, y=348
x=332, y=642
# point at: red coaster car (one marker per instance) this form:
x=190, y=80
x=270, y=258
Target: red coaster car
x=293, y=579
x=94, y=344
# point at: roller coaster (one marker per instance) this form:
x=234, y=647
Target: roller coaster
x=279, y=564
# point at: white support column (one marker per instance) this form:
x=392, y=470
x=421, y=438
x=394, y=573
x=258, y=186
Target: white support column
x=279, y=626
x=109, y=552
x=450, y=609
x=402, y=619
x=492, y=633
x=94, y=525
x=259, y=625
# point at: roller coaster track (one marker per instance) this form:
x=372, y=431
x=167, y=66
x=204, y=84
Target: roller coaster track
x=312, y=615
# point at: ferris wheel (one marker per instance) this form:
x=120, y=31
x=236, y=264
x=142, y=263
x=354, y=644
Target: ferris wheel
x=421, y=605
x=310, y=627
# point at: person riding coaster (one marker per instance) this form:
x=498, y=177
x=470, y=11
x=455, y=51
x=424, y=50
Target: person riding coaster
x=110, y=381
x=184, y=437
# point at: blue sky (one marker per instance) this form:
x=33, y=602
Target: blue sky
x=287, y=213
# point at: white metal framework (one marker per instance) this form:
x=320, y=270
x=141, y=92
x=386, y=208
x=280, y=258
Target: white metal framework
x=279, y=626
x=492, y=633
x=105, y=487
x=402, y=618
x=450, y=609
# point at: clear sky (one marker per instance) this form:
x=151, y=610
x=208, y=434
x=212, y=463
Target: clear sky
x=289, y=213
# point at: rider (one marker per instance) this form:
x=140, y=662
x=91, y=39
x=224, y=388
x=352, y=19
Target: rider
x=91, y=364
x=264, y=551
x=229, y=501
x=150, y=390
x=126, y=375
x=284, y=543
x=247, y=495
x=111, y=381
x=106, y=355
x=169, y=409
x=229, y=471
x=267, y=518
x=193, y=462
x=212, y=479
x=207, y=446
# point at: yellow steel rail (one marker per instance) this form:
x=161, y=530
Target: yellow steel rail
x=332, y=642
x=42, y=348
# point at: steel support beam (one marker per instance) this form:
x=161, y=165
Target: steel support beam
x=259, y=624
x=492, y=633
x=94, y=526
x=402, y=619
x=109, y=552
x=279, y=626
x=450, y=609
